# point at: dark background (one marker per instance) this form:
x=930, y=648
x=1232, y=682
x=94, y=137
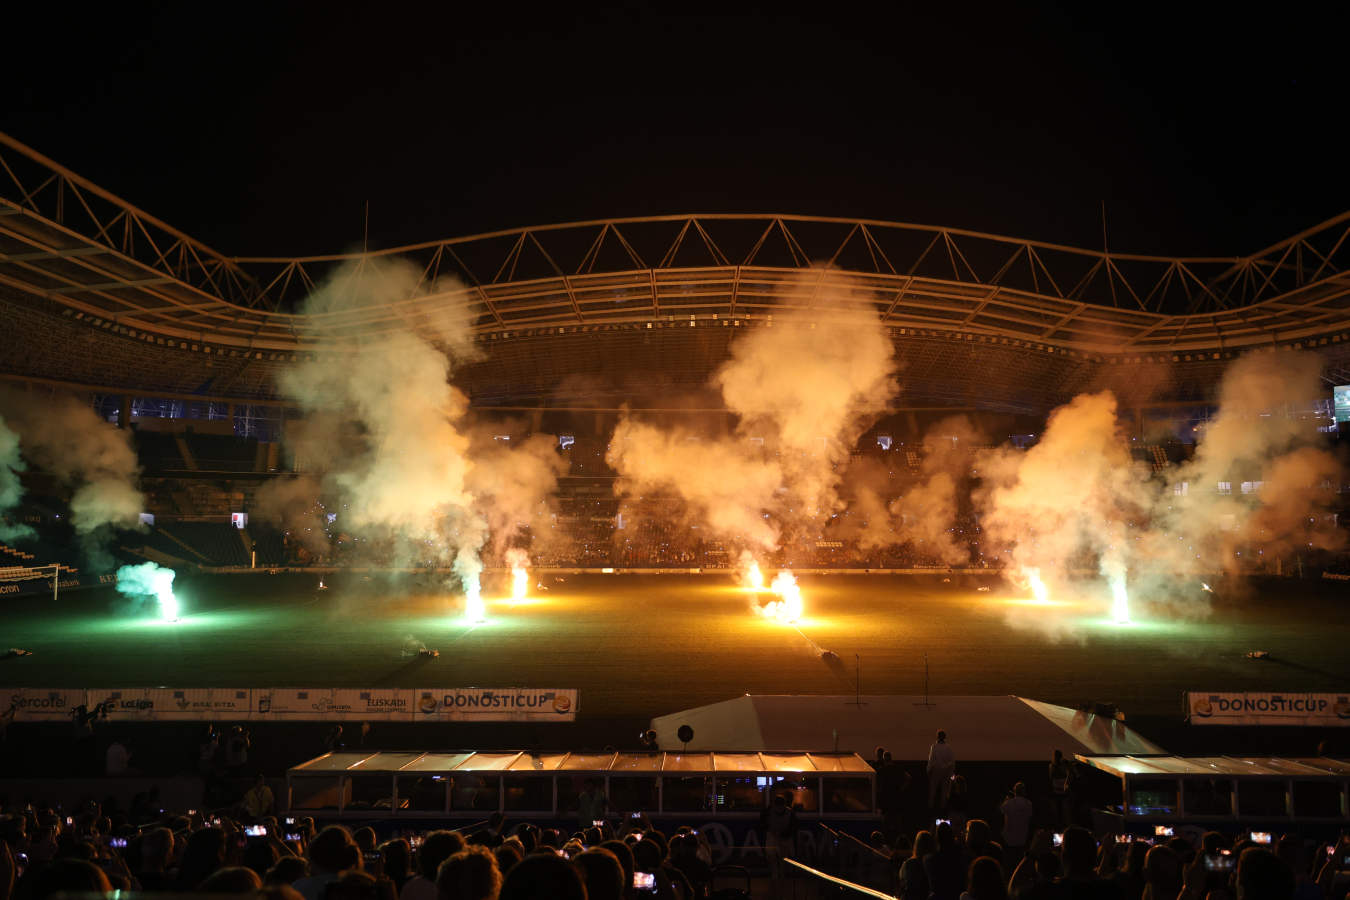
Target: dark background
x=264, y=130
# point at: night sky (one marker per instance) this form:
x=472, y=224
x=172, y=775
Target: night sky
x=264, y=131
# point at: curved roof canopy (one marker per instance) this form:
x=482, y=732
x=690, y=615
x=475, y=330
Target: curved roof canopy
x=65, y=239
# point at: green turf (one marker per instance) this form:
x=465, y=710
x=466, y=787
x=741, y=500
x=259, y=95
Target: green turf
x=647, y=645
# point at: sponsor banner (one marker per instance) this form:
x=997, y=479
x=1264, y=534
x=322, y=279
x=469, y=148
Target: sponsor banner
x=30, y=586
x=1238, y=708
x=297, y=704
x=42, y=704
x=385, y=704
x=294, y=704
x=496, y=705
x=127, y=704
x=202, y=703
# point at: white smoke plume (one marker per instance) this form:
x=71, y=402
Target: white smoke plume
x=806, y=385
x=926, y=514
x=389, y=435
x=11, y=489
x=149, y=579
x=63, y=436
x=512, y=482
x=1072, y=499
x=1259, y=487
x=1258, y=478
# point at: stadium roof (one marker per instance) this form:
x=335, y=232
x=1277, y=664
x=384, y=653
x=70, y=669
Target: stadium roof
x=69, y=242
x=1000, y=728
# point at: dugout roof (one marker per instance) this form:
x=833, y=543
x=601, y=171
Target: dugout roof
x=434, y=763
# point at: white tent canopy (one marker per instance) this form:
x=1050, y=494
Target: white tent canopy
x=994, y=729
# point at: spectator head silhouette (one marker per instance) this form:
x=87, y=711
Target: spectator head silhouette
x=542, y=876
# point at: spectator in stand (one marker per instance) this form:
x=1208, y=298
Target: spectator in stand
x=1060, y=775
x=327, y=858
x=1162, y=874
x=779, y=826
x=470, y=874
x=397, y=854
x=204, y=853
x=624, y=854
x=117, y=760
x=941, y=768
x=1037, y=877
x=287, y=871
x=958, y=803
x=156, y=850
x=508, y=854
x=68, y=876
x=1017, y=811
x=913, y=881
x=543, y=876
x=231, y=880
x=980, y=840
x=236, y=750
x=1078, y=856
x=684, y=855
x=1131, y=874
x=365, y=839
x=984, y=881
x=945, y=866
x=436, y=849
x=592, y=804
x=261, y=854
x=1261, y=875
x=207, y=752
x=258, y=800
x=892, y=782
x=602, y=874
x=358, y=885
x=332, y=741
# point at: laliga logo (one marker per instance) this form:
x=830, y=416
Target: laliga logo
x=562, y=703
x=427, y=704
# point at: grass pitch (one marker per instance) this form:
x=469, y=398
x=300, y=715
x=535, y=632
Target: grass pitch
x=649, y=645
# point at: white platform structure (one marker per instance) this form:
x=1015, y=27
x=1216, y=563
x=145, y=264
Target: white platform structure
x=994, y=729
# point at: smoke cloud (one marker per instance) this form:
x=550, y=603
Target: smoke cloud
x=388, y=436
x=1070, y=500
x=66, y=438
x=11, y=489
x=803, y=388
x=1258, y=477
x=1258, y=488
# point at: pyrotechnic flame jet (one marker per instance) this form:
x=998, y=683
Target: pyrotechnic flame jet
x=788, y=607
x=520, y=582
x=1120, y=602
x=475, y=610
x=753, y=578
x=1038, y=589
x=168, y=603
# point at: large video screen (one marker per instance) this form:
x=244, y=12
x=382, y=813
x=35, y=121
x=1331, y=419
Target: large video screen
x=1340, y=396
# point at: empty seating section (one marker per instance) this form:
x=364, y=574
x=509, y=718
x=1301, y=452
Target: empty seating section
x=223, y=452
x=269, y=544
x=217, y=543
x=158, y=451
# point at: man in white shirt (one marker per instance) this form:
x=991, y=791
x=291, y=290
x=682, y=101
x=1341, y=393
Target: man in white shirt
x=941, y=768
x=1017, y=812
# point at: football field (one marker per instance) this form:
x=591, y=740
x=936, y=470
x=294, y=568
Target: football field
x=646, y=645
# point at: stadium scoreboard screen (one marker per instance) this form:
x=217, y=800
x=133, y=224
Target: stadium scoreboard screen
x=1340, y=395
